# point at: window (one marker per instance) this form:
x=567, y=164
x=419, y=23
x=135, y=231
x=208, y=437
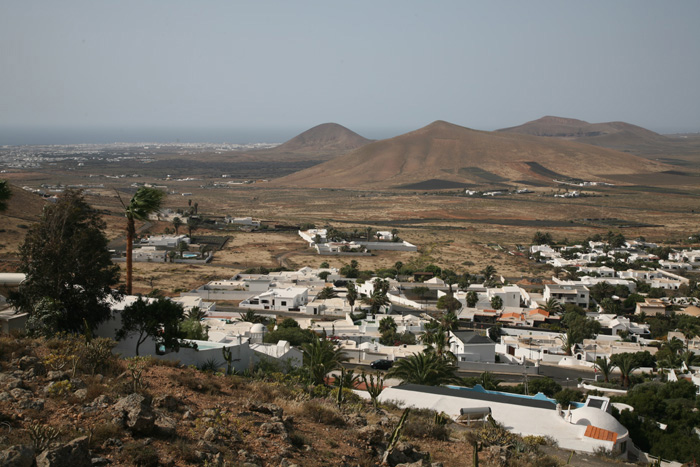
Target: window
x=283, y=303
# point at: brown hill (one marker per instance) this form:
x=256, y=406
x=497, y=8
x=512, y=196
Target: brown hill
x=324, y=138
x=614, y=135
x=443, y=151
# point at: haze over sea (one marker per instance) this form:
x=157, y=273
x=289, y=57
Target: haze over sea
x=21, y=136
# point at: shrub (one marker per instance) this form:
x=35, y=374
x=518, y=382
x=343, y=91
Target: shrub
x=196, y=381
x=319, y=412
x=139, y=455
x=103, y=432
x=60, y=388
x=298, y=440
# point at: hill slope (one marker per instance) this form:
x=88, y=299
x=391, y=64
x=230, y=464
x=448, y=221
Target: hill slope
x=445, y=151
x=614, y=135
x=324, y=138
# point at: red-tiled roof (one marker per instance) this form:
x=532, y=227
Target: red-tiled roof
x=539, y=311
x=601, y=434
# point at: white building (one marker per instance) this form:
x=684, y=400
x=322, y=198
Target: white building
x=167, y=241
x=469, y=346
x=289, y=299
x=576, y=294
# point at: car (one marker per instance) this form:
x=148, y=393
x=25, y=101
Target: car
x=381, y=364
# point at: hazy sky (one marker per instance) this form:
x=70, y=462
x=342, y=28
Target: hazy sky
x=377, y=67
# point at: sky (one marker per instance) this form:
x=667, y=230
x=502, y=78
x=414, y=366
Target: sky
x=228, y=70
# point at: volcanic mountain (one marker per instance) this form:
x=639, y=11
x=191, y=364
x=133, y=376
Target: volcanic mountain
x=614, y=135
x=320, y=143
x=453, y=154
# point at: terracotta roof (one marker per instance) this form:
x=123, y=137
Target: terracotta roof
x=601, y=434
x=539, y=311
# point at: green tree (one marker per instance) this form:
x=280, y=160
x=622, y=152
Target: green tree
x=326, y=293
x=193, y=328
x=542, y=238
x=448, y=303
x=488, y=272
x=193, y=224
x=5, y=194
x=472, y=299
x=145, y=202
x=177, y=223
x=321, y=356
x=578, y=328
x=351, y=296
x=552, y=306
x=426, y=368
x=252, y=317
x=387, y=324
x=605, y=367
x=159, y=319
x=626, y=363
x=67, y=262
x=421, y=291
x=496, y=302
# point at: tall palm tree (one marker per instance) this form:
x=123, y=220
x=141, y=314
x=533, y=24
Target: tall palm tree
x=177, y=223
x=424, y=368
x=472, y=299
x=352, y=295
x=387, y=324
x=428, y=336
x=145, y=201
x=449, y=321
x=605, y=366
x=5, y=194
x=321, y=356
x=488, y=272
x=626, y=363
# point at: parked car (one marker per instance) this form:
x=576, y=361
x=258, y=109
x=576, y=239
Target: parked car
x=381, y=364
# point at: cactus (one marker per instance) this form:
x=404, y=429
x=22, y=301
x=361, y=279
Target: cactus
x=374, y=389
x=339, y=400
x=396, y=434
x=42, y=435
x=227, y=356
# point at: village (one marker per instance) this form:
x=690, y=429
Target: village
x=590, y=317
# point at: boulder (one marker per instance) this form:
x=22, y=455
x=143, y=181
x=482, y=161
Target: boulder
x=404, y=453
x=165, y=426
x=136, y=414
x=17, y=456
x=268, y=409
x=74, y=454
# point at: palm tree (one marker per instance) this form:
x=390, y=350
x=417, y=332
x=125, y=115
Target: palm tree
x=488, y=272
x=472, y=299
x=428, y=336
x=326, y=293
x=605, y=366
x=321, y=356
x=552, y=306
x=441, y=345
x=626, y=363
x=352, y=295
x=145, y=201
x=449, y=321
x=496, y=302
x=252, y=317
x=376, y=301
x=426, y=368
x=5, y=194
x=192, y=224
x=387, y=324
x=177, y=223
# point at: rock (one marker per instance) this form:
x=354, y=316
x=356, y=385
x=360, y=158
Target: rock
x=28, y=362
x=17, y=456
x=187, y=416
x=356, y=420
x=285, y=463
x=10, y=382
x=77, y=383
x=165, y=426
x=20, y=394
x=57, y=375
x=269, y=409
x=273, y=428
x=211, y=434
x=100, y=461
x=404, y=453
x=136, y=413
x=167, y=402
x=6, y=397
x=73, y=454
x=112, y=443
x=206, y=446
x=81, y=394
x=371, y=435
x=101, y=401
x=33, y=404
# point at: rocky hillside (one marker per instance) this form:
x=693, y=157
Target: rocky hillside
x=65, y=402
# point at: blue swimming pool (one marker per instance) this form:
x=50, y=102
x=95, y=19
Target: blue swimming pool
x=538, y=397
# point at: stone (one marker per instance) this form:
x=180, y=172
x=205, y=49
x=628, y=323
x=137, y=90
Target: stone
x=206, y=446
x=17, y=456
x=57, y=375
x=33, y=404
x=167, y=402
x=100, y=461
x=28, y=362
x=20, y=394
x=77, y=383
x=136, y=413
x=404, y=453
x=269, y=409
x=211, y=434
x=273, y=428
x=81, y=394
x=165, y=426
x=371, y=435
x=73, y=454
x=6, y=397
x=10, y=382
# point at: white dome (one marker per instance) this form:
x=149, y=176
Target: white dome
x=257, y=327
x=592, y=416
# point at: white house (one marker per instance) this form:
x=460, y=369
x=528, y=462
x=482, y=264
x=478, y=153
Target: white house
x=149, y=254
x=469, y=346
x=576, y=294
x=289, y=299
x=167, y=241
